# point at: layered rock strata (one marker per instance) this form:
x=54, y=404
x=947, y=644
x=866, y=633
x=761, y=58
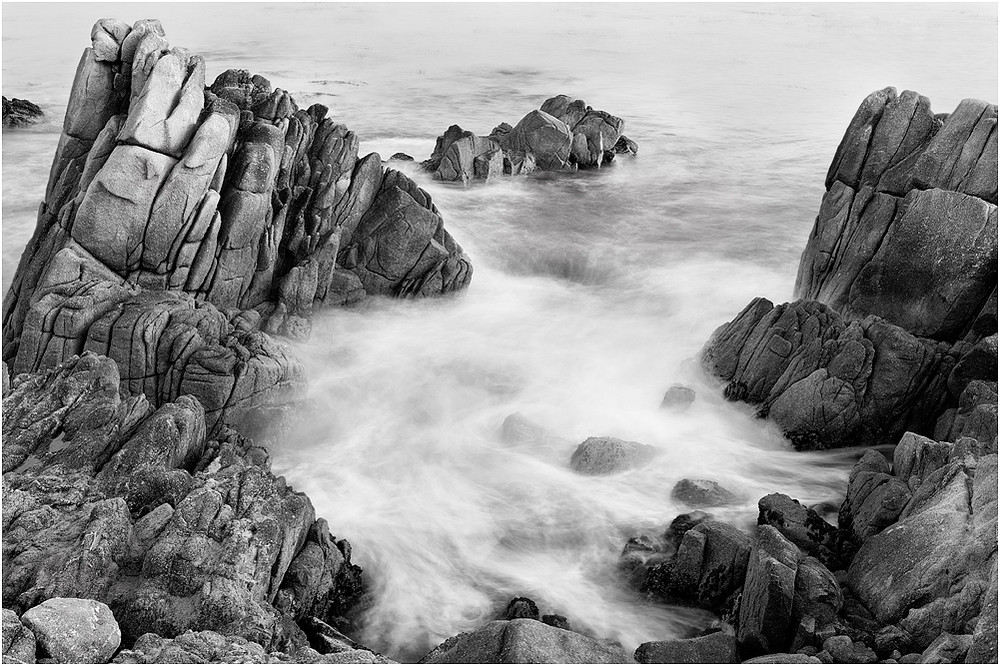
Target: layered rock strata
x=179, y=219
x=563, y=135
x=106, y=497
x=898, y=286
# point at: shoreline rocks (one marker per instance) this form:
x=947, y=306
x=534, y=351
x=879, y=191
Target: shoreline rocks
x=110, y=499
x=562, y=135
x=20, y=112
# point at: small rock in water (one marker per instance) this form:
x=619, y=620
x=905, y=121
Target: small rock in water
x=702, y=492
x=557, y=621
x=607, y=455
x=519, y=429
x=19, y=112
x=401, y=157
x=521, y=607
x=678, y=398
x=74, y=630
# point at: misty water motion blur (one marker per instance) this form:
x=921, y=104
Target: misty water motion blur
x=593, y=292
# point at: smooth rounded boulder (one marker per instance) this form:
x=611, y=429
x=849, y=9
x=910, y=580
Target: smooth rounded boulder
x=74, y=630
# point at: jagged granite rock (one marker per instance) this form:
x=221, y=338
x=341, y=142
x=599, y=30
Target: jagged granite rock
x=74, y=630
x=20, y=112
x=906, y=183
x=827, y=382
x=782, y=588
x=930, y=571
x=697, y=561
x=563, y=135
x=176, y=209
x=18, y=640
x=715, y=648
x=524, y=641
x=608, y=455
x=107, y=498
x=806, y=529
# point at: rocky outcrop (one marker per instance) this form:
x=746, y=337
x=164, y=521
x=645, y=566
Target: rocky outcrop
x=107, y=498
x=179, y=220
x=20, y=112
x=826, y=381
x=702, y=493
x=898, y=288
x=525, y=641
x=563, y=135
x=906, y=183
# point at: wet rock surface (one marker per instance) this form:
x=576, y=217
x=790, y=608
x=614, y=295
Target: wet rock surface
x=562, y=135
x=610, y=455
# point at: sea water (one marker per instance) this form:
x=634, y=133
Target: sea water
x=592, y=294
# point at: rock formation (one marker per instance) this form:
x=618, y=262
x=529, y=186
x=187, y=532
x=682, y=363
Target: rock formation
x=913, y=560
x=898, y=281
x=179, y=219
x=19, y=112
x=563, y=135
x=110, y=499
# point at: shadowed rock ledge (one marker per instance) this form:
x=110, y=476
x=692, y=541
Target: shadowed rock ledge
x=898, y=281
x=180, y=221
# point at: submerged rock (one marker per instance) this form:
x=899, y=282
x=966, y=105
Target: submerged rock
x=20, y=112
x=702, y=493
x=678, y=398
x=525, y=641
x=608, y=455
x=563, y=135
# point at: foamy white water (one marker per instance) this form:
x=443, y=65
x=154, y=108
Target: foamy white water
x=592, y=293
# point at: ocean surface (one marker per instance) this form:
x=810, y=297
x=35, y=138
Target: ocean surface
x=592, y=292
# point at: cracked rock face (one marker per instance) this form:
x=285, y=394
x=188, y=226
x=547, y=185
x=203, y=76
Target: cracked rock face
x=107, y=498
x=828, y=382
x=177, y=219
x=905, y=184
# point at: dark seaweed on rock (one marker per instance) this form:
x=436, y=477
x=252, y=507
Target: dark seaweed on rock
x=179, y=219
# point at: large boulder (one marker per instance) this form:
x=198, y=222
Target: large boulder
x=906, y=183
x=825, y=381
x=107, y=498
x=74, y=630
x=525, y=641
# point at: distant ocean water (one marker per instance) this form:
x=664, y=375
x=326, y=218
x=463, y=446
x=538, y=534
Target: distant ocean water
x=592, y=292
